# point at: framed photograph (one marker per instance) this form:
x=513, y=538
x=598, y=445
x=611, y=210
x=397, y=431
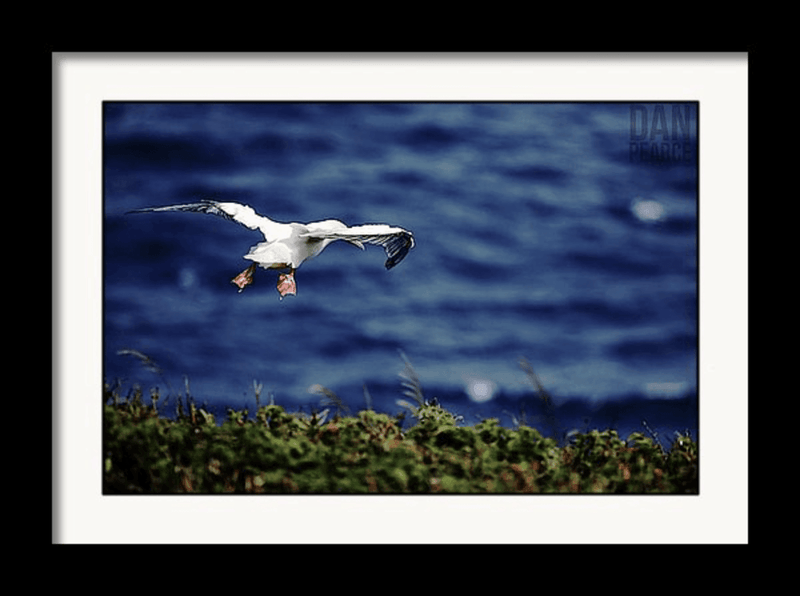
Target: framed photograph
x=521, y=239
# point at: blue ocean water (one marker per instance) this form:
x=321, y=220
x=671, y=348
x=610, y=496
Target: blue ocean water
x=562, y=233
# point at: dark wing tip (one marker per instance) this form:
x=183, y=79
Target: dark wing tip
x=203, y=206
x=398, y=248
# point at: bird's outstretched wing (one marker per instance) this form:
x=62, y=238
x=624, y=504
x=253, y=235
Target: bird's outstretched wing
x=241, y=214
x=395, y=241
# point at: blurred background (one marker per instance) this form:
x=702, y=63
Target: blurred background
x=560, y=233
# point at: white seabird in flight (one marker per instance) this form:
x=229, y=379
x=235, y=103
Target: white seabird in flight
x=289, y=244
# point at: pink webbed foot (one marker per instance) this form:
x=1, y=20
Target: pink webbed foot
x=245, y=278
x=286, y=284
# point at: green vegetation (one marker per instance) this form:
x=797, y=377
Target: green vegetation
x=370, y=452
